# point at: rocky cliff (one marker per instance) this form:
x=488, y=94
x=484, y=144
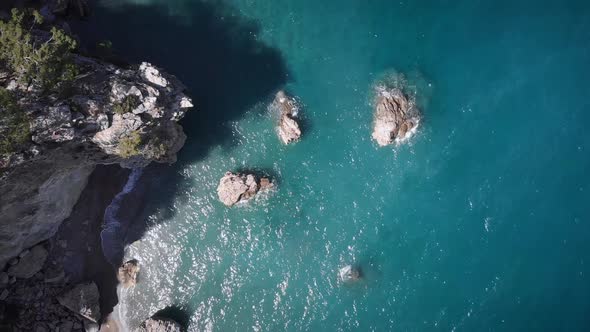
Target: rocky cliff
x=108, y=115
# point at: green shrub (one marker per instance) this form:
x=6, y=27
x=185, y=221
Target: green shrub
x=43, y=64
x=128, y=104
x=129, y=146
x=14, y=124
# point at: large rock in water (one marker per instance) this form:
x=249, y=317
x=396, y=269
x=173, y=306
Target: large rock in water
x=83, y=300
x=158, y=324
x=127, y=274
x=396, y=117
x=235, y=187
x=288, y=128
x=30, y=263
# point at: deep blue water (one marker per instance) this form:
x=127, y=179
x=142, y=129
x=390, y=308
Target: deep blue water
x=480, y=223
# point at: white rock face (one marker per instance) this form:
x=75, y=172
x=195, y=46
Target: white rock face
x=152, y=74
x=395, y=117
x=234, y=187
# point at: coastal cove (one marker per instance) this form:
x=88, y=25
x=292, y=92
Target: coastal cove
x=477, y=223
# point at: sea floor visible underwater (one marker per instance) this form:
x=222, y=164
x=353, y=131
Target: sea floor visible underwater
x=480, y=222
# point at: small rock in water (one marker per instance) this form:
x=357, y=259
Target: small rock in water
x=349, y=274
x=127, y=274
x=288, y=129
x=235, y=187
x=395, y=118
x=158, y=324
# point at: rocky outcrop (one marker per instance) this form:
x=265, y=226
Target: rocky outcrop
x=288, y=128
x=395, y=118
x=127, y=273
x=111, y=115
x=30, y=262
x=159, y=324
x=235, y=187
x=82, y=300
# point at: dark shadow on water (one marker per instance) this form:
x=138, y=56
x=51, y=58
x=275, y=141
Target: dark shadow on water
x=215, y=53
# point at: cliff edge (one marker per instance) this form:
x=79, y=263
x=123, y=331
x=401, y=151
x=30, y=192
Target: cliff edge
x=57, y=126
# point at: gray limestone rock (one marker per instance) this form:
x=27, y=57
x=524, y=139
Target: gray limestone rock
x=29, y=264
x=83, y=299
x=71, y=134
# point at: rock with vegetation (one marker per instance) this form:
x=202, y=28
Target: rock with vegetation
x=83, y=300
x=288, y=128
x=396, y=116
x=61, y=114
x=236, y=187
x=127, y=273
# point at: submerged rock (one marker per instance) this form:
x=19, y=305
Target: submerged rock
x=236, y=187
x=288, y=128
x=127, y=274
x=158, y=324
x=83, y=300
x=395, y=118
x=30, y=263
x=349, y=274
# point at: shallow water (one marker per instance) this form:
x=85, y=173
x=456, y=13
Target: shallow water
x=479, y=223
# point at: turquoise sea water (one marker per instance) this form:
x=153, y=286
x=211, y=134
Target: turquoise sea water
x=480, y=223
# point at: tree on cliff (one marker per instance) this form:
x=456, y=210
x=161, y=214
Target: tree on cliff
x=14, y=124
x=43, y=60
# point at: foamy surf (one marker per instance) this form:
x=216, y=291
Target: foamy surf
x=112, y=236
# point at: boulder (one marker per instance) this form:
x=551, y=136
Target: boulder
x=235, y=187
x=158, y=324
x=288, y=128
x=29, y=264
x=127, y=274
x=83, y=300
x=395, y=118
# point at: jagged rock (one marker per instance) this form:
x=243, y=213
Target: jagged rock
x=395, y=116
x=83, y=300
x=4, y=294
x=158, y=324
x=30, y=263
x=288, y=128
x=127, y=274
x=235, y=187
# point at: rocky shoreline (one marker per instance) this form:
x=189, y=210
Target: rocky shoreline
x=104, y=114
